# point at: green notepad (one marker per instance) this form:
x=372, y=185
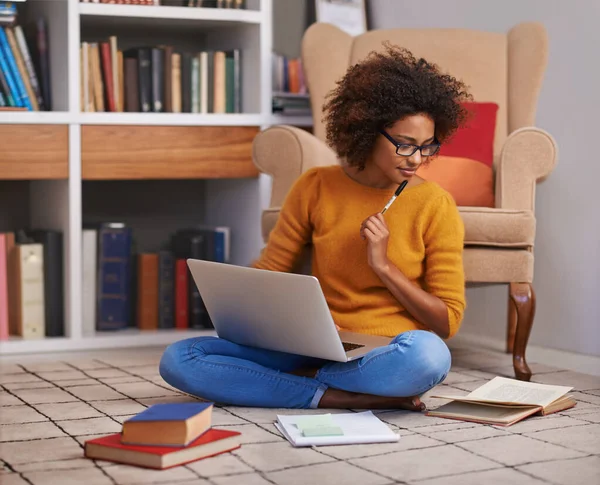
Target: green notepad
x=319, y=425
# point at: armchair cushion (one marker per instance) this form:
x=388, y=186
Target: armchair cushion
x=501, y=228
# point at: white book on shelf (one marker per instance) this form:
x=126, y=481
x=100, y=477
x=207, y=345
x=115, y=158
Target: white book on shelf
x=31, y=272
x=204, y=82
x=88, y=289
x=352, y=428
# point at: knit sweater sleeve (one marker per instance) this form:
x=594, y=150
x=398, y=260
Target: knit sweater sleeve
x=293, y=229
x=444, y=271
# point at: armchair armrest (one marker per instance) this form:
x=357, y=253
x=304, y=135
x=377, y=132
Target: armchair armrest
x=285, y=153
x=528, y=156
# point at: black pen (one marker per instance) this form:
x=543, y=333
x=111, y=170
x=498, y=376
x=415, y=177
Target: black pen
x=396, y=194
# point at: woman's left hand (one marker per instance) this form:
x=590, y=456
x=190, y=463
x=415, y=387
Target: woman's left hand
x=375, y=231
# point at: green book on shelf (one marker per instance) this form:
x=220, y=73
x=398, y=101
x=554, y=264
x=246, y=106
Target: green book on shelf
x=229, y=84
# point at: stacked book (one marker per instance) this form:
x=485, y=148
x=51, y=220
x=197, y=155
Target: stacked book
x=164, y=436
x=159, y=79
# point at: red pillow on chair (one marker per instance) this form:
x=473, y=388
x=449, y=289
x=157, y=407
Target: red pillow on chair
x=464, y=166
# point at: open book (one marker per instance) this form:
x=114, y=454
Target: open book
x=505, y=401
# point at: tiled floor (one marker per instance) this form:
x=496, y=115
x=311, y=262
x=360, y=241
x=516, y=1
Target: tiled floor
x=50, y=405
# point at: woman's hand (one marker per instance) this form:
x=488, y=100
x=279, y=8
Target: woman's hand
x=375, y=231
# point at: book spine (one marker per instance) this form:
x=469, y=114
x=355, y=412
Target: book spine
x=168, y=78
x=176, y=83
x=21, y=93
x=229, y=84
x=186, y=83
x=237, y=81
x=114, y=71
x=85, y=77
x=113, y=286
x=181, y=294
x=204, y=82
x=98, y=86
x=211, y=81
x=132, y=101
x=166, y=290
x=219, y=82
x=31, y=266
x=108, y=77
x=4, y=84
x=145, y=79
x=158, y=76
x=11, y=86
x=22, y=69
x=121, y=70
x=35, y=85
x=194, y=85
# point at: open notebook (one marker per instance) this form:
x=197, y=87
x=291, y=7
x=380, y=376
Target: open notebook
x=505, y=401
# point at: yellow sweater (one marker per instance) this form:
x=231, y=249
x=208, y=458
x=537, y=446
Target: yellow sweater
x=325, y=207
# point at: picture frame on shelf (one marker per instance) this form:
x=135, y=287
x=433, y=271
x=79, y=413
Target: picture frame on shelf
x=348, y=15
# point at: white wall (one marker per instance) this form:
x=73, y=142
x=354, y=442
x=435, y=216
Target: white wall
x=567, y=264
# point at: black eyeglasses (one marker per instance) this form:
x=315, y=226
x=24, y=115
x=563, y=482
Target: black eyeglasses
x=407, y=149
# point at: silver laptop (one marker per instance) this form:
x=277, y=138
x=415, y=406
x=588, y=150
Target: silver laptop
x=276, y=311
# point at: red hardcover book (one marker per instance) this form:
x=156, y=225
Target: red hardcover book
x=108, y=77
x=211, y=443
x=182, y=316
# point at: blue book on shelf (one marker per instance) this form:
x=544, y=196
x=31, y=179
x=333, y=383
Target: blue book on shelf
x=22, y=96
x=171, y=411
x=12, y=95
x=114, y=273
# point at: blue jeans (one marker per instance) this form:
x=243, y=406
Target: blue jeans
x=224, y=372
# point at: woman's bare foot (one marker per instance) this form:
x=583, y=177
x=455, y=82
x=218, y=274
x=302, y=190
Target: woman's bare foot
x=337, y=399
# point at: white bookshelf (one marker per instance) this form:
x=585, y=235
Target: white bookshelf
x=60, y=204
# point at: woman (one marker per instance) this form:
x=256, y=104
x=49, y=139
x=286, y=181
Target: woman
x=398, y=275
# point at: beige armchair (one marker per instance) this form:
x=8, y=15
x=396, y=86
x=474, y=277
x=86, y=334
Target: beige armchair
x=502, y=68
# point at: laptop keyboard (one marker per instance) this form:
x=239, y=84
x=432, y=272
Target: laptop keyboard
x=348, y=346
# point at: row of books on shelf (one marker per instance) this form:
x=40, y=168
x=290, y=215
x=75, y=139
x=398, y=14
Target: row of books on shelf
x=177, y=3
x=159, y=79
x=121, y=287
x=290, y=93
x=25, y=67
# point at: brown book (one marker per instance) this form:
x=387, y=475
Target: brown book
x=504, y=402
x=121, y=69
x=176, y=83
x=97, y=77
x=114, y=67
x=168, y=62
x=219, y=85
x=107, y=71
x=132, y=97
x=147, y=297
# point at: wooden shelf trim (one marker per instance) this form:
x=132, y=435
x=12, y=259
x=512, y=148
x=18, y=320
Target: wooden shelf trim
x=166, y=152
x=34, y=152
